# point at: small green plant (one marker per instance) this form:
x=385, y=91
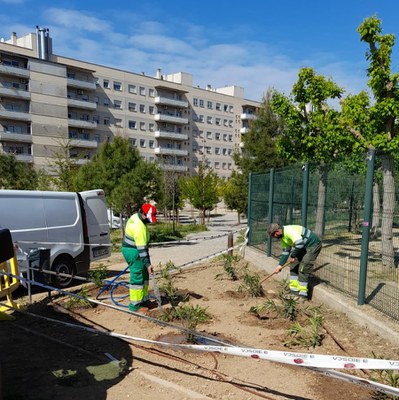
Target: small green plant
x=189, y=315
x=286, y=309
x=308, y=336
x=387, y=377
x=229, y=267
x=79, y=302
x=251, y=284
x=98, y=275
x=167, y=285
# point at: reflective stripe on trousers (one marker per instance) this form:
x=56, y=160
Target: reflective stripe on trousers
x=139, y=278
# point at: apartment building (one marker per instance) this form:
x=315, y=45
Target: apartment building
x=48, y=101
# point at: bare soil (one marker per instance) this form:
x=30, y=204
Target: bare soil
x=44, y=360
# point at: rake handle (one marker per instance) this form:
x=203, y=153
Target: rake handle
x=274, y=273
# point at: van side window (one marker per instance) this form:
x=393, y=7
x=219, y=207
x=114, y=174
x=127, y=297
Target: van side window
x=96, y=209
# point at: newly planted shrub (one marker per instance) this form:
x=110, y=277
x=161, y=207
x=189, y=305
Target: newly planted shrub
x=98, y=275
x=80, y=301
x=251, y=284
x=386, y=377
x=309, y=335
x=230, y=267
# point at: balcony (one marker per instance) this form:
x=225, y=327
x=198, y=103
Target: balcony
x=170, y=135
x=246, y=116
x=176, y=168
x=78, y=84
x=168, y=101
x=171, y=118
x=27, y=158
x=84, y=143
x=170, y=151
x=79, y=123
x=244, y=130
x=15, y=115
x=85, y=104
x=14, y=93
x=14, y=71
x=16, y=137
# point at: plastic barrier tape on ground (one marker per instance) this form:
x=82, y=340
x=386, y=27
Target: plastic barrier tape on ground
x=370, y=385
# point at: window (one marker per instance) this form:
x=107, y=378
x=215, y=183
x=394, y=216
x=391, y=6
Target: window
x=142, y=126
x=230, y=123
x=151, y=144
x=132, y=107
x=133, y=142
x=231, y=109
x=225, y=137
x=151, y=127
x=106, y=121
x=230, y=138
x=218, y=106
x=106, y=101
x=132, y=124
x=151, y=110
x=142, y=91
x=142, y=108
x=142, y=143
x=151, y=92
x=229, y=166
x=209, y=135
x=132, y=89
x=195, y=102
x=118, y=104
x=201, y=103
x=225, y=122
x=217, y=136
x=224, y=165
x=201, y=118
x=209, y=105
x=209, y=120
x=118, y=86
x=106, y=84
x=224, y=152
x=225, y=107
x=217, y=150
x=118, y=122
x=217, y=165
x=96, y=99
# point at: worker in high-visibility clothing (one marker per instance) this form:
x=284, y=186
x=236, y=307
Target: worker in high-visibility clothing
x=300, y=248
x=135, y=250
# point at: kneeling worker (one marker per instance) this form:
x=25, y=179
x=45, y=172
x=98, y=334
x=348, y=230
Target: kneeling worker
x=135, y=251
x=300, y=247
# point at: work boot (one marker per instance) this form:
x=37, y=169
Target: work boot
x=142, y=310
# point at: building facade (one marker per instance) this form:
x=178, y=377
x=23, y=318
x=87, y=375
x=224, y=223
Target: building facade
x=49, y=102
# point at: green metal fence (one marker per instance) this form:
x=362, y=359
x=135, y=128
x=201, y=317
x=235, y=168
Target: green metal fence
x=349, y=216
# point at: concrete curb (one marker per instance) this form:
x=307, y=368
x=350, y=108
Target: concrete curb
x=364, y=315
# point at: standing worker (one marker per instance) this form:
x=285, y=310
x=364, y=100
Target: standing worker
x=135, y=251
x=300, y=248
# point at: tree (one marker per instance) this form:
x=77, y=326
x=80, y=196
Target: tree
x=126, y=179
x=201, y=190
x=15, y=174
x=260, y=153
x=64, y=168
x=311, y=131
x=235, y=193
x=374, y=124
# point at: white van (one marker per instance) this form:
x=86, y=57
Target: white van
x=74, y=226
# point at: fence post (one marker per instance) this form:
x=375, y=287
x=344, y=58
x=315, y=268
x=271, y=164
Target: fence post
x=230, y=244
x=305, y=194
x=270, y=213
x=368, y=198
x=249, y=216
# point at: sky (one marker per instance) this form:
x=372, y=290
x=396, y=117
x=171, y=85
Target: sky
x=257, y=45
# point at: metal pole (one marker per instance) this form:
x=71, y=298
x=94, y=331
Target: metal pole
x=270, y=219
x=230, y=243
x=305, y=194
x=249, y=215
x=368, y=199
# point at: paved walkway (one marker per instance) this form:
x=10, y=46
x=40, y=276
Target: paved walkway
x=209, y=242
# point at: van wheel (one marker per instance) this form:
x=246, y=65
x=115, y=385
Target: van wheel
x=63, y=266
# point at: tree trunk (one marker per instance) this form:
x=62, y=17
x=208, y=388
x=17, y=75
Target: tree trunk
x=375, y=223
x=321, y=201
x=388, y=205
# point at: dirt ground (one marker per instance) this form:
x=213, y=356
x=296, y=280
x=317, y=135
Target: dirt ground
x=44, y=360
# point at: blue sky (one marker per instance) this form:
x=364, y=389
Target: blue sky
x=257, y=45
